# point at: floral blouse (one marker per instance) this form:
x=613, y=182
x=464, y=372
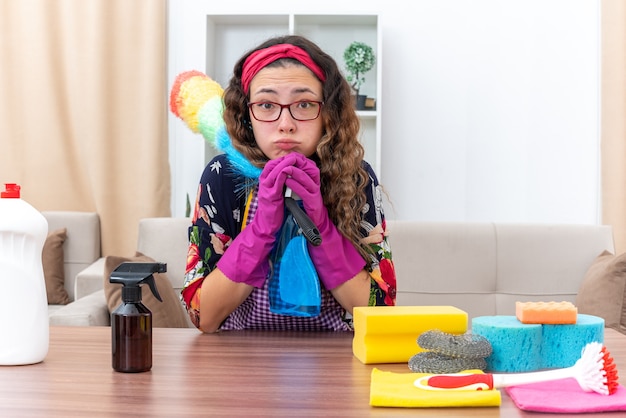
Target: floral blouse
x=226, y=201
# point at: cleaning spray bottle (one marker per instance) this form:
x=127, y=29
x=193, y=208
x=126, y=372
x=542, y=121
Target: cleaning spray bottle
x=131, y=322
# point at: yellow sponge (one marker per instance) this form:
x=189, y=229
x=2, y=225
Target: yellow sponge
x=388, y=334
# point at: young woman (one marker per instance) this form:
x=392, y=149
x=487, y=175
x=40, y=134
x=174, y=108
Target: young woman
x=289, y=113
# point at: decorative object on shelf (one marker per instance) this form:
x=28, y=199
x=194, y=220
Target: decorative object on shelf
x=359, y=58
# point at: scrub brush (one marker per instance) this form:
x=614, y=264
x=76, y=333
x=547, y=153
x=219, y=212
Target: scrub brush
x=595, y=371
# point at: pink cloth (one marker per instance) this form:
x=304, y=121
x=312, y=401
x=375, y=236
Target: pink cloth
x=565, y=396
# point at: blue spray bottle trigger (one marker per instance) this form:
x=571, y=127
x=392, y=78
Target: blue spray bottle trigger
x=132, y=274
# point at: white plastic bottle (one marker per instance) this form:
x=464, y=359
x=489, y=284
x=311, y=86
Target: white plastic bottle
x=24, y=326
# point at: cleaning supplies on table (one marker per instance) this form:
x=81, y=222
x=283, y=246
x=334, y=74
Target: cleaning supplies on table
x=519, y=347
x=388, y=334
x=595, y=371
x=450, y=353
x=546, y=312
x=564, y=397
x=24, y=328
x=391, y=389
x=131, y=321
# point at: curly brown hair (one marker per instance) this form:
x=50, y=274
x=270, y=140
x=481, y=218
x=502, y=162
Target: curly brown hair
x=340, y=154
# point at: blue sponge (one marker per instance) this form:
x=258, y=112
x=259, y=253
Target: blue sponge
x=516, y=346
x=562, y=344
x=519, y=347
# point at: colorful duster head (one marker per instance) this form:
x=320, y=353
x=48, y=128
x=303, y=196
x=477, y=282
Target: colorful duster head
x=197, y=100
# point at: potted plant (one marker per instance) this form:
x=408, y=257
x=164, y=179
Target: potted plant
x=359, y=59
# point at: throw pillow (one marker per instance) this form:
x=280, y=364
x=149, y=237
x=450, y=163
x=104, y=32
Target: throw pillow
x=603, y=290
x=53, y=267
x=166, y=314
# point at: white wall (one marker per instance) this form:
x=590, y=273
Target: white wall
x=491, y=107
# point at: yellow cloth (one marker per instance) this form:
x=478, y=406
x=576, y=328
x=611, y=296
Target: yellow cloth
x=397, y=389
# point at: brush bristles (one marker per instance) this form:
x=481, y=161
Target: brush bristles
x=610, y=371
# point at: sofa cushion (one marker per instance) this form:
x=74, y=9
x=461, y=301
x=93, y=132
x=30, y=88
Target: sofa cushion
x=166, y=314
x=82, y=246
x=53, y=267
x=166, y=240
x=603, y=290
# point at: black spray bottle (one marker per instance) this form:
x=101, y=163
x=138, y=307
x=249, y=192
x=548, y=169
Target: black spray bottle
x=131, y=322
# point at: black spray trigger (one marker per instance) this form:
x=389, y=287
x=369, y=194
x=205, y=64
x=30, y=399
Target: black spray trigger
x=132, y=274
x=152, y=284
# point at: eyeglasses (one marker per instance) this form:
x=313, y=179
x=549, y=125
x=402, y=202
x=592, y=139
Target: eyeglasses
x=271, y=111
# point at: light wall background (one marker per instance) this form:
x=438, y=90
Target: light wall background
x=491, y=108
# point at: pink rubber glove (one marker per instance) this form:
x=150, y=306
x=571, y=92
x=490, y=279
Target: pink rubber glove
x=246, y=260
x=336, y=259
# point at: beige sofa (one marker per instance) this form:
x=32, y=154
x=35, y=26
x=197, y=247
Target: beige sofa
x=482, y=268
x=163, y=239
x=80, y=250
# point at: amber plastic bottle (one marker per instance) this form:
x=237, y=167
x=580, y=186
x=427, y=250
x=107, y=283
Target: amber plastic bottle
x=131, y=322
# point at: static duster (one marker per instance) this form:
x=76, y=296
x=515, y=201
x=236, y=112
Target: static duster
x=196, y=99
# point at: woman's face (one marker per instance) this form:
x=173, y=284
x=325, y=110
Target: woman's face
x=285, y=85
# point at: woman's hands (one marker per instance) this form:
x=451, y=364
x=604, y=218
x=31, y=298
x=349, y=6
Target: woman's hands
x=269, y=215
x=246, y=260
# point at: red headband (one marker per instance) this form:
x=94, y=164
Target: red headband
x=262, y=57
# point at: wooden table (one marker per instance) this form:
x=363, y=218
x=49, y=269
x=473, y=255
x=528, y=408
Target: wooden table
x=234, y=374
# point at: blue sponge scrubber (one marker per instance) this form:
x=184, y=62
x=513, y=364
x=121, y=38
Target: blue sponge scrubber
x=519, y=347
x=562, y=344
x=516, y=346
